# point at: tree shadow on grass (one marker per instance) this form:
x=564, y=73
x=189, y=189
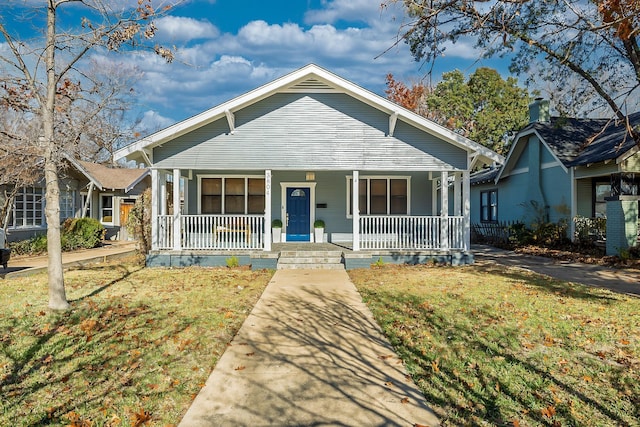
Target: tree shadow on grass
x=470, y=384
x=547, y=284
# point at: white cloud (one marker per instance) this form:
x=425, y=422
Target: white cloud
x=181, y=29
x=152, y=121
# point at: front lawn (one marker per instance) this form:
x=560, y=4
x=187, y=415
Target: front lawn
x=136, y=347
x=493, y=346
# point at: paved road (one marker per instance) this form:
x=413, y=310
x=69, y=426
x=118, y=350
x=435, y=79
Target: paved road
x=625, y=281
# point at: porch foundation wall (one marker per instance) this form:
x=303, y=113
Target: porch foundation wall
x=258, y=262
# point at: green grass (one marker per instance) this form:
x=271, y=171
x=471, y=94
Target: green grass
x=492, y=346
x=136, y=347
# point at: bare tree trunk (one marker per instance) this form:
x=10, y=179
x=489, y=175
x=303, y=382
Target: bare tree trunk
x=57, y=294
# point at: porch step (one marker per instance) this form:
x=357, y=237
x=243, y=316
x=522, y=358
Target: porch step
x=325, y=260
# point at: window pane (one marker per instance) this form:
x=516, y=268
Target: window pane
x=256, y=186
x=211, y=204
x=602, y=191
x=398, y=197
x=212, y=186
x=256, y=199
x=255, y=205
x=234, y=186
x=378, y=197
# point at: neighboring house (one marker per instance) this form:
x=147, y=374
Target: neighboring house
x=86, y=189
x=561, y=168
x=309, y=145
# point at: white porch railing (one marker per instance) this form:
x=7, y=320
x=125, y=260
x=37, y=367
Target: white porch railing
x=215, y=232
x=410, y=232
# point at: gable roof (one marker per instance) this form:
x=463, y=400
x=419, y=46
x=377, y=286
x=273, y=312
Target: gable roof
x=310, y=78
x=570, y=139
x=577, y=142
x=106, y=178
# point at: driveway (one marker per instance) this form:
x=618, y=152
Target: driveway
x=626, y=281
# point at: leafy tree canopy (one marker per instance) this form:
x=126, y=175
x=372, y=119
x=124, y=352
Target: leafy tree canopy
x=560, y=42
x=485, y=108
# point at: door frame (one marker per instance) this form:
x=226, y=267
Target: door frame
x=312, y=202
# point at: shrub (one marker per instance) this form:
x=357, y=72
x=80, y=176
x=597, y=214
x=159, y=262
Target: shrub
x=34, y=246
x=81, y=233
x=233, y=262
x=139, y=221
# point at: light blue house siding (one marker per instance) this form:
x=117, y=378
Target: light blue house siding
x=330, y=193
x=535, y=185
x=312, y=131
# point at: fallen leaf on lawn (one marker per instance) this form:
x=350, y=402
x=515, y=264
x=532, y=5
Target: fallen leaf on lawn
x=388, y=384
x=141, y=417
x=385, y=357
x=251, y=354
x=434, y=366
x=420, y=425
x=515, y=423
x=404, y=400
x=239, y=368
x=549, y=411
x=587, y=378
x=624, y=342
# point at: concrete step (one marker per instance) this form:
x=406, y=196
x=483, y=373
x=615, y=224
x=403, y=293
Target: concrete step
x=310, y=266
x=290, y=254
x=310, y=259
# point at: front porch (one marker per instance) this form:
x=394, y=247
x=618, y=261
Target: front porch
x=306, y=255
x=249, y=232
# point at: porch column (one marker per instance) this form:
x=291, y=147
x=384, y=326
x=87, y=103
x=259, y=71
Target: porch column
x=457, y=198
x=466, y=208
x=355, y=196
x=155, y=188
x=267, y=210
x=177, y=214
x=574, y=204
x=434, y=196
x=163, y=193
x=444, y=215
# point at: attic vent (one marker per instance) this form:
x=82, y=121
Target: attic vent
x=311, y=85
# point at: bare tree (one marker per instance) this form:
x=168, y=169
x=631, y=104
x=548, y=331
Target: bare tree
x=51, y=72
x=561, y=40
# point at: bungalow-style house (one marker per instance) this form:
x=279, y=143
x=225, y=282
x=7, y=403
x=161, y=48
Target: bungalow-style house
x=564, y=168
x=308, y=146
x=86, y=190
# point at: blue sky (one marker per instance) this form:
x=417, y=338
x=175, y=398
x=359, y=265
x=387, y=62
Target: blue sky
x=225, y=48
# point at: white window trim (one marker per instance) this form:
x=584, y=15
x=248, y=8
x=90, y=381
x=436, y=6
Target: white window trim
x=72, y=194
x=489, y=206
x=246, y=189
x=388, y=178
x=113, y=208
x=43, y=219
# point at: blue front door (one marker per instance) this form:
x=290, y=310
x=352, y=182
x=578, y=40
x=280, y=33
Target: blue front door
x=298, y=209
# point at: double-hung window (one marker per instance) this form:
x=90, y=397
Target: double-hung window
x=380, y=195
x=106, y=208
x=67, y=204
x=232, y=195
x=489, y=206
x=28, y=208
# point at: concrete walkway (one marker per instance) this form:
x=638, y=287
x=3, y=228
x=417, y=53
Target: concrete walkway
x=26, y=265
x=626, y=281
x=309, y=354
